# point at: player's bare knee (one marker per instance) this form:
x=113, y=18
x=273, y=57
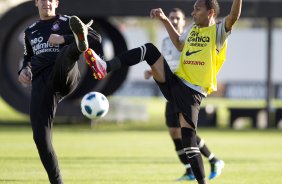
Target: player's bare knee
x=175, y=133
x=184, y=123
x=158, y=70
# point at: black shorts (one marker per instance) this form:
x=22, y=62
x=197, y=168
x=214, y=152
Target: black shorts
x=171, y=116
x=187, y=101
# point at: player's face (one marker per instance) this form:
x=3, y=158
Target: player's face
x=178, y=20
x=47, y=8
x=201, y=15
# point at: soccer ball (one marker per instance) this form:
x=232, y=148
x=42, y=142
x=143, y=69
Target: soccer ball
x=94, y=105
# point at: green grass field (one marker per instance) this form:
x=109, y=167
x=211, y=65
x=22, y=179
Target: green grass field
x=89, y=155
x=134, y=152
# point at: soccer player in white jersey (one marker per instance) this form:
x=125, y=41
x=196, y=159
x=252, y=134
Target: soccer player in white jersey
x=196, y=75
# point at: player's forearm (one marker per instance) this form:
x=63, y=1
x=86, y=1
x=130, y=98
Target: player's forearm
x=173, y=34
x=234, y=14
x=68, y=39
x=235, y=10
x=28, y=53
x=25, y=65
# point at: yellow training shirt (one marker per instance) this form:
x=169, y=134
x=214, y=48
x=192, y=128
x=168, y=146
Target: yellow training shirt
x=199, y=61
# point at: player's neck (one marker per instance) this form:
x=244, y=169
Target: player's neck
x=47, y=17
x=208, y=23
x=212, y=21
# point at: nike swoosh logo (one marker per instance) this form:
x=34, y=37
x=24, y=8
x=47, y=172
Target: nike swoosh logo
x=34, y=31
x=192, y=156
x=193, y=52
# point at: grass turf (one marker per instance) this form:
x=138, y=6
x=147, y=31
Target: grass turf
x=95, y=156
x=135, y=152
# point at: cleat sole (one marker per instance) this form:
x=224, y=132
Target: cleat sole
x=91, y=62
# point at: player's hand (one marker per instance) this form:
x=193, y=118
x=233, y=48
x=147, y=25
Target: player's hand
x=158, y=13
x=56, y=39
x=25, y=76
x=148, y=74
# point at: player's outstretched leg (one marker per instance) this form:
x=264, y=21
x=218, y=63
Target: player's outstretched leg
x=97, y=65
x=100, y=68
x=80, y=31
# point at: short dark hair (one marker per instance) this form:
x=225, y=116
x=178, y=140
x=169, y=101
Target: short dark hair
x=178, y=10
x=213, y=4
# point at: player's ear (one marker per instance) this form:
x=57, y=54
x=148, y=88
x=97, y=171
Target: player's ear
x=211, y=13
x=57, y=3
x=36, y=3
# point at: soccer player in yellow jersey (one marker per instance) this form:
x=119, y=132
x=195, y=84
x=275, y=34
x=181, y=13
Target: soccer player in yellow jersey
x=172, y=55
x=195, y=77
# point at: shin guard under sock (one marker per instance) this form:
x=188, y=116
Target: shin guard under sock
x=193, y=153
x=180, y=152
x=147, y=52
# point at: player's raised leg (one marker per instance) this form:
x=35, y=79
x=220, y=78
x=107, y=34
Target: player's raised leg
x=147, y=52
x=80, y=31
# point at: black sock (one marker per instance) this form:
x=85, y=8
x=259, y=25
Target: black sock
x=180, y=152
x=203, y=181
x=147, y=52
x=213, y=160
x=205, y=150
x=113, y=65
x=193, y=153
